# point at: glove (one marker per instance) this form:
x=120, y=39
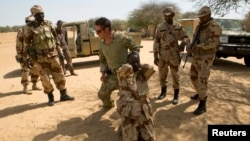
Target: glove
x=61, y=57
x=156, y=58
x=156, y=61
x=182, y=46
x=28, y=63
x=19, y=59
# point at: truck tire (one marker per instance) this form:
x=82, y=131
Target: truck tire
x=247, y=61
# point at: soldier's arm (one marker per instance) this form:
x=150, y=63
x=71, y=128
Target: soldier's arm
x=132, y=45
x=66, y=36
x=156, y=45
x=103, y=62
x=19, y=44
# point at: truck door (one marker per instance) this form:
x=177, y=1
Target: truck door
x=90, y=43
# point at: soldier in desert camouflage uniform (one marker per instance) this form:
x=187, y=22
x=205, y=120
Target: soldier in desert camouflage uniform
x=167, y=52
x=23, y=58
x=133, y=104
x=43, y=48
x=203, y=55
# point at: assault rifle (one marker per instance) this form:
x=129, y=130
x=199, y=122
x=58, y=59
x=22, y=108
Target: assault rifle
x=195, y=40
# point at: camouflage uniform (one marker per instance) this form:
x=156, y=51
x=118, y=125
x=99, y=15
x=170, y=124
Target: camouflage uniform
x=44, y=49
x=112, y=56
x=203, y=55
x=24, y=60
x=167, y=48
x=133, y=104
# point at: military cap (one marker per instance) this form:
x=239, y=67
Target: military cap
x=204, y=11
x=168, y=11
x=36, y=9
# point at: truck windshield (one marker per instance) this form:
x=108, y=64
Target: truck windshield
x=229, y=24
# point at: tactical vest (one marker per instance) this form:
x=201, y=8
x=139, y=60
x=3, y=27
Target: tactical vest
x=44, y=39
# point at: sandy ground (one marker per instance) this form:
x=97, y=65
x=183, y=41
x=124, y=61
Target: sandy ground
x=27, y=117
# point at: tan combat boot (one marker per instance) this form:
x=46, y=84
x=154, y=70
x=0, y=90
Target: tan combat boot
x=35, y=87
x=25, y=90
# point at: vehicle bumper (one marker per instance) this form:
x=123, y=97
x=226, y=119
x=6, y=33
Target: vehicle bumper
x=233, y=50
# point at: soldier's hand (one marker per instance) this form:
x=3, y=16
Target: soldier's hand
x=103, y=78
x=61, y=57
x=156, y=61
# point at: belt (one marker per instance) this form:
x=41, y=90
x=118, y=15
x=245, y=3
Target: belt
x=44, y=52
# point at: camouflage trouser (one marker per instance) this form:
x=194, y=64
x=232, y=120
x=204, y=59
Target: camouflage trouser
x=68, y=59
x=141, y=129
x=199, y=74
x=107, y=87
x=163, y=67
x=33, y=72
x=50, y=66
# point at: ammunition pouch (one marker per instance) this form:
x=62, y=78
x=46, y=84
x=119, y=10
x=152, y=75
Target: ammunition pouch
x=32, y=53
x=18, y=59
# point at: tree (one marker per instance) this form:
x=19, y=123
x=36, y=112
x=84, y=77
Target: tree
x=223, y=7
x=246, y=22
x=118, y=25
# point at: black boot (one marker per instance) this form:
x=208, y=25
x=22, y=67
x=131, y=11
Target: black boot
x=176, y=97
x=51, y=99
x=163, y=93
x=194, y=97
x=65, y=96
x=201, y=107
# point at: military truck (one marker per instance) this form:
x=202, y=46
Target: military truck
x=83, y=41
x=234, y=41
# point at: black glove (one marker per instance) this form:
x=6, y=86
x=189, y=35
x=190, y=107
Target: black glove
x=61, y=57
x=156, y=58
x=156, y=61
x=18, y=59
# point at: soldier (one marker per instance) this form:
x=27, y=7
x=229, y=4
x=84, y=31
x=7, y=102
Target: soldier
x=43, y=48
x=113, y=51
x=203, y=55
x=63, y=39
x=23, y=58
x=167, y=52
x=133, y=104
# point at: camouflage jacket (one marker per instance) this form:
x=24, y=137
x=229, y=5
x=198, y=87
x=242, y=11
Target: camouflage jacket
x=208, y=39
x=167, y=37
x=133, y=92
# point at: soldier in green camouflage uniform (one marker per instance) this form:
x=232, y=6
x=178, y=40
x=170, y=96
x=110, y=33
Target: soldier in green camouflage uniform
x=167, y=52
x=23, y=58
x=113, y=51
x=203, y=55
x=133, y=104
x=43, y=48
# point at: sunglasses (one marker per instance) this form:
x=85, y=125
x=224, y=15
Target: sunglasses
x=99, y=31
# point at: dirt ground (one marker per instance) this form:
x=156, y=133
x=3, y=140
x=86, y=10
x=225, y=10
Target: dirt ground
x=27, y=117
